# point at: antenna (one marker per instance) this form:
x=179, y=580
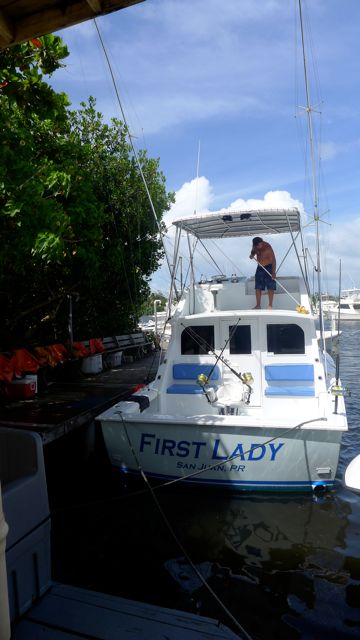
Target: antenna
x=197, y=178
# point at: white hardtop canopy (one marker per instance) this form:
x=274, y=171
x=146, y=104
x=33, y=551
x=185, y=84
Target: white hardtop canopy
x=241, y=223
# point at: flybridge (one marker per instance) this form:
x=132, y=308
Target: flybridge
x=241, y=223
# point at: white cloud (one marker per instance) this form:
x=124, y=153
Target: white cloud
x=193, y=196
x=271, y=200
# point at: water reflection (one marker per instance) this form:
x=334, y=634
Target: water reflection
x=286, y=555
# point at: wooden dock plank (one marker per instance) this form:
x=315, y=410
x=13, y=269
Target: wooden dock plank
x=69, y=612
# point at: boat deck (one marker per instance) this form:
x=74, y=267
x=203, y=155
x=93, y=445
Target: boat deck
x=69, y=613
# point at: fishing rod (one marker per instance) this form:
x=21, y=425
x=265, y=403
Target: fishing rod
x=205, y=345
x=244, y=378
x=337, y=389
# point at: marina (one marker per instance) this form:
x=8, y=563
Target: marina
x=209, y=489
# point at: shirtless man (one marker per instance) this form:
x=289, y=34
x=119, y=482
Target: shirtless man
x=266, y=273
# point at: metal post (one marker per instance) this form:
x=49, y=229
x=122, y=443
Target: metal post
x=156, y=302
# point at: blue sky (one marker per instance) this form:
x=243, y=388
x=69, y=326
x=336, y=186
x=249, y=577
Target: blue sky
x=227, y=78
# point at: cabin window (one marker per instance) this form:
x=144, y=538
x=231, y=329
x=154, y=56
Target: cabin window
x=197, y=340
x=344, y=306
x=356, y=306
x=285, y=338
x=240, y=339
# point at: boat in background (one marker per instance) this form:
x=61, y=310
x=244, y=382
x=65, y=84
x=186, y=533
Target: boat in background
x=244, y=398
x=157, y=327
x=347, y=308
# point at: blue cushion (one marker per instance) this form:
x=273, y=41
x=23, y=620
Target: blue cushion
x=289, y=391
x=289, y=372
x=185, y=388
x=191, y=370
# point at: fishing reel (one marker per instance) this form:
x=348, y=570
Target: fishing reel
x=208, y=390
x=339, y=391
x=247, y=379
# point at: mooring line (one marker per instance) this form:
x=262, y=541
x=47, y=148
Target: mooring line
x=244, y=633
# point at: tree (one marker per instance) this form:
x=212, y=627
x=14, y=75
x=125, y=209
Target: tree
x=73, y=213
x=130, y=247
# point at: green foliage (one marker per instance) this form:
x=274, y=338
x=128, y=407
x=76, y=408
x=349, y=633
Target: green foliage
x=74, y=214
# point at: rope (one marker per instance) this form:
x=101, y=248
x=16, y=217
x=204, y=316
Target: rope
x=179, y=543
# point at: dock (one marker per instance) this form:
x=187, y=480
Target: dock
x=75, y=398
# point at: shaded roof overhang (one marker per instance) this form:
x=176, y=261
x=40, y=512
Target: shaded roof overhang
x=241, y=223
x=21, y=20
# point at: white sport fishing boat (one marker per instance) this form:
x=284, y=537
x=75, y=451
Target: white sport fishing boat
x=244, y=398
x=348, y=307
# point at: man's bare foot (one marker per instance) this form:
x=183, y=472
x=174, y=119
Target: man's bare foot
x=269, y=308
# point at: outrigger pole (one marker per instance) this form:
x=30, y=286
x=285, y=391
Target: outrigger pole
x=309, y=111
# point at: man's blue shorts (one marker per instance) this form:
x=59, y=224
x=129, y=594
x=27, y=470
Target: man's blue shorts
x=263, y=280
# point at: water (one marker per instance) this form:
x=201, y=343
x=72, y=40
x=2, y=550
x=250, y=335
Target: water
x=286, y=567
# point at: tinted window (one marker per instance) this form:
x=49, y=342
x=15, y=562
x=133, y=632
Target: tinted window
x=240, y=339
x=344, y=306
x=197, y=340
x=356, y=306
x=285, y=338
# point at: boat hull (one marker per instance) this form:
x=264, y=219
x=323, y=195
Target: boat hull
x=244, y=458
x=347, y=316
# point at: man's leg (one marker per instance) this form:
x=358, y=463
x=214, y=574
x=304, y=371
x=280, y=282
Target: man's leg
x=271, y=297
x=258, y=298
